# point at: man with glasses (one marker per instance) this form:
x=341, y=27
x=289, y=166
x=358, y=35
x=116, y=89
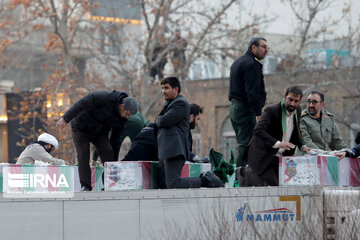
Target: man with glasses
x=247, y=93
x=318, y=126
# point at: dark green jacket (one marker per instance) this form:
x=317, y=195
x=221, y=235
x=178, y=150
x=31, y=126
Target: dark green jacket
x=321, y=134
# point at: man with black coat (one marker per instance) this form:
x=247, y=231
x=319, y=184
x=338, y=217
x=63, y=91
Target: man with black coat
x=276, y=134
x=91, y=118
x=144, y=146
x=247, y=93
x=172, y=134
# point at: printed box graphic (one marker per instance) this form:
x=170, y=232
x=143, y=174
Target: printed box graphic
x=142, y=174
x=309, y=170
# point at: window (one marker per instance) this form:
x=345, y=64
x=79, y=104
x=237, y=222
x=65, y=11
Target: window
x=202, y=69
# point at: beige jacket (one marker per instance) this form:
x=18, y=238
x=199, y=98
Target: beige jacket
x=35, y=152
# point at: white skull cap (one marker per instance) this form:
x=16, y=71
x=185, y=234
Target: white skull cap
x=50, y=139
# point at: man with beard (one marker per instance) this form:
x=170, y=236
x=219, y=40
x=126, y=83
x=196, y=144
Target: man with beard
x=318, y=126
x=144, y=146
x=40, y=150
x=276, y=134
x=172, y=135
x=247, y=93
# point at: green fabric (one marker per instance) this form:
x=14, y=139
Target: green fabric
x=333, y=170
x=219, y=166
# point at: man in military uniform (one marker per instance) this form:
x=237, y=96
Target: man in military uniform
x=318, y=126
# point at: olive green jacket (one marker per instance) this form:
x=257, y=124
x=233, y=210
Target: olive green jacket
x=322, y=134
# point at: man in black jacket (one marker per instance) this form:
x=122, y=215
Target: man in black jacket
x=276, y=134
x=91, y=118
x=247, y=93
x=172, y=134
x=144, y=146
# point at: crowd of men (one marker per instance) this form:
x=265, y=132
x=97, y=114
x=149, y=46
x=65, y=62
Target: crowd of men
x=105, y=118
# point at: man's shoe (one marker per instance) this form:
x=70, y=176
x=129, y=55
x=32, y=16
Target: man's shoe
x=85, y=189
x=239, y=174
x=211, y=180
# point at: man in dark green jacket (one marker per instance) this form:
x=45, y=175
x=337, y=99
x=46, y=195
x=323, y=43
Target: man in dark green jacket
x=247, y=93
x=318, y=126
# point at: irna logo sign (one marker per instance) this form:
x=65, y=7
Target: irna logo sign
x=25, y=181
x=37, y=180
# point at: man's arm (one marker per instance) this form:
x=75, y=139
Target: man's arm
x=306, y=136
x=90, y=101
x=262, y=128
x=174, y=115
x=40, y=154
x=337, y=142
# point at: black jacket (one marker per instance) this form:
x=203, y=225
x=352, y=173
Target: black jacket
x=96, y=114
x=247, y=82
x=267, y=132
x=144, y=146
x=172, y=129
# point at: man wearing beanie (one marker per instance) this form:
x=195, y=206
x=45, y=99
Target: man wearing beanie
x=40, y=151
x=91, y=119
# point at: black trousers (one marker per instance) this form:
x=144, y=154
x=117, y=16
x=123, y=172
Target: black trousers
x=270, y=177
x=82, y=142
x=169, y=175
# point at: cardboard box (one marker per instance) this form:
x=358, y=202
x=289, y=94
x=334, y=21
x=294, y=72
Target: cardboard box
x=349, y=171
x=194, y=169
x=308, y=170
x=143, y=174
x=130, y=175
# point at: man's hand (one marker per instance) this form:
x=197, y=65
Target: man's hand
x=60, y=124
x=341, y=155
x=305, y=149
x=286, y=145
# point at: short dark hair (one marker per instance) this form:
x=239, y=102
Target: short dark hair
x=195, y=109
x=173, y=81
x=255, y=41
x=357, y=138
x=295, y=90
x=131, y=104
x=322, y=97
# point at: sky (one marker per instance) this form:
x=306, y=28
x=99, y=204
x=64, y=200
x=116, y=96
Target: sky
x=286, y=20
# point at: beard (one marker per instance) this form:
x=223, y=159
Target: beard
x=290, y=108
x=192, y=124
x=312, y=111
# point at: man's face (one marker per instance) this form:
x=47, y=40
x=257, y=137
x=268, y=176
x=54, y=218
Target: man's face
x=124, y=113
x=169, y=92
x=314, y=104
x=194, y=121
x=261, y=50
x=292, y=101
